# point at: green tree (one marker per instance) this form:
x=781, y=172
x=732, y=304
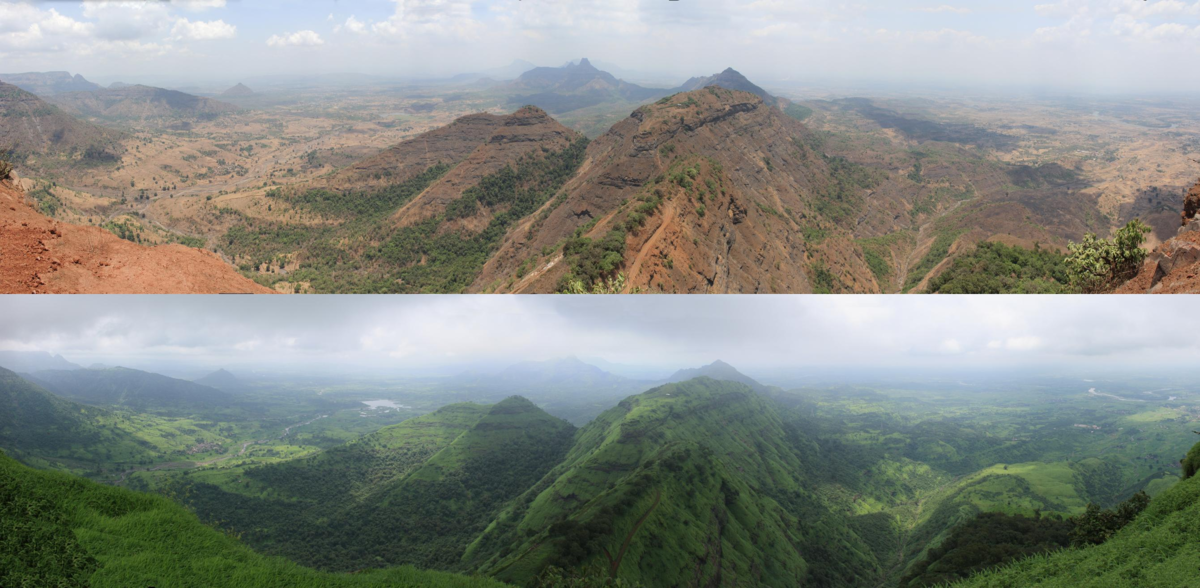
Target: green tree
x=1095, y=525
x=1099, y=265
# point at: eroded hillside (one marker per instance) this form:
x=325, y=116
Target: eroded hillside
x=43, y=255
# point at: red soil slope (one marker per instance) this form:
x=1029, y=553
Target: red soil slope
x=43, y=255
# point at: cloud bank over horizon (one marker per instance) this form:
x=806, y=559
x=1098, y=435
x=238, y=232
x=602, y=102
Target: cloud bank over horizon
x=1072, y=45
x=423, y=335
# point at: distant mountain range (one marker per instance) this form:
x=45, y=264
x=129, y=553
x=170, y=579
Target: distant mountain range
x=575, y=86
x=140, y=102
x=730, y=79
x=49, y=83
x=238, y=91
x=34, y=361
x=129, y=388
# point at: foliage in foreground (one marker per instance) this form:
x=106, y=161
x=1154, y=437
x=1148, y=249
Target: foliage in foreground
x=61, y=530
x=1099, y=265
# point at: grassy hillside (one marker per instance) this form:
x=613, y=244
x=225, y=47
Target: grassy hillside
x=690, y=483
x=416, y=492
x=61, y=530
x=1160, y=548
x=44, y=430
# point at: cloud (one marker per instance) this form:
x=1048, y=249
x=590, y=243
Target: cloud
x=352, y=25
x=127, y=21
x=944, y=8
x=198, y=5
x=306, y=38
x=202, y=31
x=447, y=332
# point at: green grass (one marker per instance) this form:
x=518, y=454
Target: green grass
x=61, y=530
x=944, y=237
x=1160, y=548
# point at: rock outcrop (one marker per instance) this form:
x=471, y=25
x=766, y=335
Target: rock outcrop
x=1174, y=266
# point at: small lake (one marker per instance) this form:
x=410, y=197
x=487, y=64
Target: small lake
x=374, y=404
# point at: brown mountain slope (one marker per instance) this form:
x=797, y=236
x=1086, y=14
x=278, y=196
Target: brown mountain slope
x=528, y=129
x=31, y=126
x=1174, y=266
x=449, y=144
x=42, y=255
x=728, y=188
x=141, y=103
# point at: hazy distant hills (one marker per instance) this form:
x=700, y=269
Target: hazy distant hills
x=730, y=79
x=49, y=83
x=221, y=379
x=141, y=102
x=575, y=86
x=717, y=370
x=31, y=126
x=238, y=91
x=34, y=361
x=129, y=388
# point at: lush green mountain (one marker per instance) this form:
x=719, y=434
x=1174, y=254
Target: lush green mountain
x=60, y=530
x=1160, y=548
x=45, y=430
x=417, y=492
x=134, y=389
x=34, y=361
x=695, y=483
x=717, y=370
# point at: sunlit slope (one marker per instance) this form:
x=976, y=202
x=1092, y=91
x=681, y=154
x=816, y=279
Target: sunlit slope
x=1160, y=548
x=695, y=483
x=417, y=492
x=61, y=530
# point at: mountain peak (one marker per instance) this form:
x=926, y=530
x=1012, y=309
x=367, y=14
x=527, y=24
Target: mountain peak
x=585, y=63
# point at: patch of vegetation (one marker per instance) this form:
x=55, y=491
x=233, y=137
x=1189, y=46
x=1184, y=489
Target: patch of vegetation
x=1099, y=265
x=60, y=530
x=368, y=254
x=351, y=203
x=985, y=541
x=944, y=237
x=996, y=268
x=798, y=111
x=592, y=262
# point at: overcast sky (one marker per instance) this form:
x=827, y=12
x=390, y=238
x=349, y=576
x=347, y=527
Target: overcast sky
x=1078, y=45
x=423, y=335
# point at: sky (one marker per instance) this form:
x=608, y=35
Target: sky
x=443, y=335
x=1079, y=46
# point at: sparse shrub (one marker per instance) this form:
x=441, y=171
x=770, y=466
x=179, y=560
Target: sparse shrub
x=1099, y=265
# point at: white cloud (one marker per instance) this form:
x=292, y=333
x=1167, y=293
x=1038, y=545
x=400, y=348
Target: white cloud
x=198, y=5
x=944, y=8
x=127, y=21
x=202, y=30
x=306, y=38
x=352, y=25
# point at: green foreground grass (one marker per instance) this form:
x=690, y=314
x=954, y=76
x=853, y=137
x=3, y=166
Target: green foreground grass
x=61, y=530
x=1160, y=548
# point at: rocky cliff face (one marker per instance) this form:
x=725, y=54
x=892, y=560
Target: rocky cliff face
x=1174, y=266
x=42, y=255
x=715, y=191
